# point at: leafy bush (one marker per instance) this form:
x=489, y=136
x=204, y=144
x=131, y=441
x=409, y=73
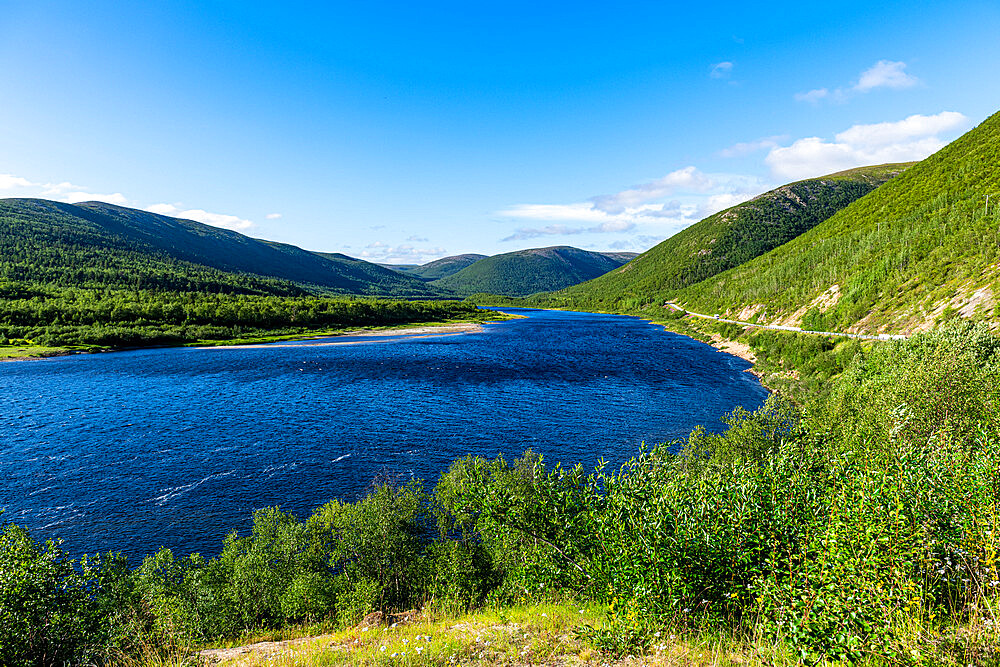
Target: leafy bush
x=54, y=611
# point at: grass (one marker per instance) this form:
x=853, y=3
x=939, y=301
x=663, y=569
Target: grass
x=545, y=634
x=9, y=352
x=515, y=635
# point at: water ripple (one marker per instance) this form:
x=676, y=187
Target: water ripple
x=203, y=439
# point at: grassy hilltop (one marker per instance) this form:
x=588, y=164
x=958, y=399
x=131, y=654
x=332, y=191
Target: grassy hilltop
x=534, y=270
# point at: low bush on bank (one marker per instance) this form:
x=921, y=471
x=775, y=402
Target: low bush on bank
x=863, y=527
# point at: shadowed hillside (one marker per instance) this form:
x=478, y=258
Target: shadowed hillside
x=101, y=245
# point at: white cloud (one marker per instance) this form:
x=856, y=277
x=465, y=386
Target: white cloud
x=163, y=209
x=582, y=212
x=885, y=74
x=912, y=138
x=722, y=201
x=641, y=207
x=272, y=216
x=721, y=70
x=748, y=147
x=688, y=178
x=608, y=227
x=73, y=194
x=380, y=251
x=116, y=198
x=199, y=215
x=915, y=126
x=417, y=239
x=813, y=96
x=10, y=182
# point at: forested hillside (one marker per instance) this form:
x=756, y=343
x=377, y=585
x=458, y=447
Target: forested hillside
x=97, y=276
x=920, y=249
x=534, y=270
x=441, y=268
x=100, y=245
x=726, y=239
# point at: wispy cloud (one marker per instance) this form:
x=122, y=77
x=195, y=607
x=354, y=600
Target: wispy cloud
x=664, y=205
x=609, y=227
x=232, y=222
x=885, y=74
x=813, y=96
x=748, y=147
x=688, y=178
x=12, y=182
x=72, y=194
x=912, y=138
x=381, y=251
x=721, y=70
x=889, y=74
x=272, y=216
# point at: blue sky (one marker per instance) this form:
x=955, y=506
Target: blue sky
x=406, y=131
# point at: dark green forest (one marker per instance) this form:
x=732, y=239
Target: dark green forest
x=119, y=318
x=100, y=245
x=96, y=276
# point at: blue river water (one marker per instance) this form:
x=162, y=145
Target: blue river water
x=176, y=447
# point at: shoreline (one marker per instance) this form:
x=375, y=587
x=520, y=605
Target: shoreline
x=724, y=345
x=735, y=348
x=415, y=330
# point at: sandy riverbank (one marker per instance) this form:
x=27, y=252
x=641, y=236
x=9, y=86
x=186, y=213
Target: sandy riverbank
x=417, y=331
x=735, y=348
x=423, y=331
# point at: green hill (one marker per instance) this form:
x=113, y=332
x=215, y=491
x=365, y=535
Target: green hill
x=918, y=250
x=444, y=267
x=97, y=245
x=529, y=271
x=727, y=239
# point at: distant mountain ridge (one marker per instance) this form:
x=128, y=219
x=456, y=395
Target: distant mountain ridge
x=525, y=272
x=439, y=268
x=97, y=244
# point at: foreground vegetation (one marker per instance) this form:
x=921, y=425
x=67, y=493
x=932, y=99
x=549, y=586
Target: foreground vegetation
x=861, y=528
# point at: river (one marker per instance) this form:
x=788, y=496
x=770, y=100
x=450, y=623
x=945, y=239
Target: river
x=175, y=447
